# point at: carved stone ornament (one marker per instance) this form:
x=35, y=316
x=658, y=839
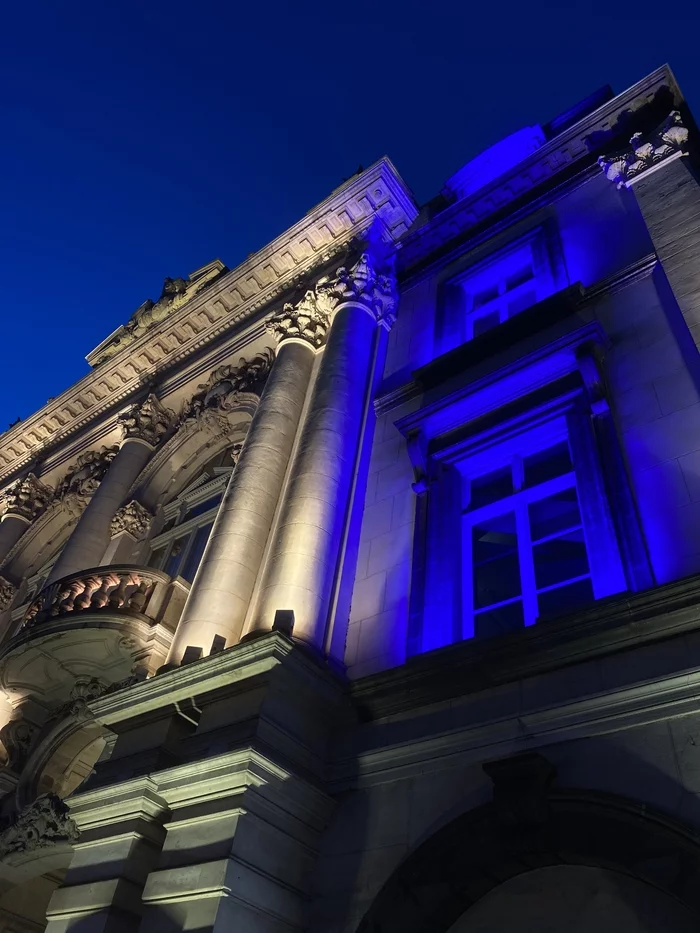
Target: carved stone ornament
x=363, y=283
x=133, y=518
x=647, y=152
x=148, y=421
x=308, y=320
x=221, y=391
x=43, y=823
x=7, y=593
x=18, y=737
x=85, y=476
x=175, y=294
x=84, y=690
x=27, y=497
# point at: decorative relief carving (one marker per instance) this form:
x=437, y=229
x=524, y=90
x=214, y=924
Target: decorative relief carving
x=221, y=392
x=133, y=518
x=84, y=690
x=43, y=823
x=18, y=737
x=147, y=421
x=308, y=320
x=647, y=152
x=175, y=294
x=363, y=283
x=27, y=497
x=7, y=593
x=85, y=476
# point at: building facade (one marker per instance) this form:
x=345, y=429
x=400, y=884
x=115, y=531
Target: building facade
x=357, y=588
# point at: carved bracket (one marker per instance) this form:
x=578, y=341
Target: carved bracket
x=668, y=141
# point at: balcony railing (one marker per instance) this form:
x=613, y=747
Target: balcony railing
x=122, y=589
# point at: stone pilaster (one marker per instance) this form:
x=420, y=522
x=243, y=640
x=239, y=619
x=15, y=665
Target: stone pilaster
x=21, y=503
x=142, y=426
x=224, y=583
x=661, y=171
x=130, y=525
x=302, y=566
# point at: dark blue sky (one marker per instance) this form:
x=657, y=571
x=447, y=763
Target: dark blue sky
x=142, y=139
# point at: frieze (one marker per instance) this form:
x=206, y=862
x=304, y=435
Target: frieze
x=133, y=518
x=43, y=823
x=148, y=421
x=378, y=194
x=670, y=140
x=27, y=497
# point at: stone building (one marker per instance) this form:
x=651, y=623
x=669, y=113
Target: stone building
x=357, y=588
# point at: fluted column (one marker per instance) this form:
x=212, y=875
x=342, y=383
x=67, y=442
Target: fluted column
x=110, y=473
x=222, y=588
x=302, y=566
x=24, y=501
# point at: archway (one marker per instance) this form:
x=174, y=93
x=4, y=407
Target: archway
x=530, y=827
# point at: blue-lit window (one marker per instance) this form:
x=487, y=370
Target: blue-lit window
x=495, y=290
x=524, y=542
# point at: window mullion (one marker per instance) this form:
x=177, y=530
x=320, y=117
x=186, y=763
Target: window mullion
x=527, y=564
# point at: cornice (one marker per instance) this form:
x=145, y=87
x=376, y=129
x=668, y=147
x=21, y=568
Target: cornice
x=377, y=194
x=559, y=154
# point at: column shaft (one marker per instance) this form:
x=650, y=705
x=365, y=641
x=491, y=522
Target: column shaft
x=224, y=583
x=12, y=527
x=90, y=537
x=303, y=562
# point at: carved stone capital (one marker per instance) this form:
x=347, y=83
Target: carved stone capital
x=86, y=474
x=18, y=737
x=647, y=153
x=307, y=320
x=7, y=593
x=40, y=825
x=222, y=391
x=148, y=421
x=363, y=283
x=133, y=518
x=27, y=497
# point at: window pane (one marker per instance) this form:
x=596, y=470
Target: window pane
x=560, y=559
x=521, y=302
x=491, y=487
x=156, y=557
x=565, y=598
x=173, y=562
x=486, y=322
x=201, y=507
x=519, y=277
x=547, y=464
x=495, y=560
x=497, y=621
x=554, y=513
x=201, y=537
x=483, y=297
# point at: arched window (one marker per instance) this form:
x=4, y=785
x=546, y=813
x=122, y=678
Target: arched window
x=179, y=546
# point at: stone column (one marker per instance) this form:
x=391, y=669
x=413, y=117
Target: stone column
x=108, y=476
x=224, y=583
x=303, y=563
x=24, y=501
x=659, y=170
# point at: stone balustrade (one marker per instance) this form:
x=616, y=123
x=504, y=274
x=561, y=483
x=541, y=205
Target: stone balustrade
x=123, y=589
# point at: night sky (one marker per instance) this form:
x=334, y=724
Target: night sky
x=143, y=139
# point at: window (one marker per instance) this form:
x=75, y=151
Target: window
x=525, y=548
x=495, y=290
x=179, y=547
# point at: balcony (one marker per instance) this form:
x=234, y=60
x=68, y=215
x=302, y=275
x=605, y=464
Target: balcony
x=105, y=622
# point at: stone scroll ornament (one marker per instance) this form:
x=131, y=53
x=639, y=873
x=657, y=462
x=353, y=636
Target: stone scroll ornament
x=148, y=421
x=133, y=518
x=85, y=476
x=44, y=823
x=647, y=152
x=27, y=497
x=226, y=383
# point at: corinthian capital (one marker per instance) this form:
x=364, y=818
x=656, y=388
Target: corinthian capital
x=647, y=152
x=27, y=497
x=365, y=284
x=307, y=320
x=133, y=518
x=148, y=421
